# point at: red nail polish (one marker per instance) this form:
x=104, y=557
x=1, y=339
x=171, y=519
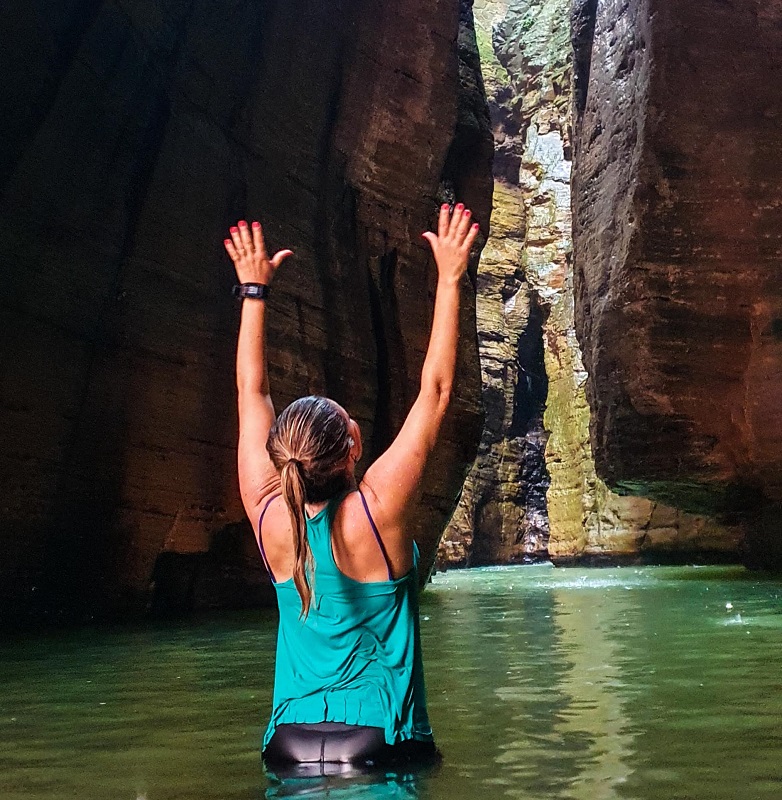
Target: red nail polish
x=444, y=206
x=242, y=223
x=234, y=229
x=476, y=226
x=226, y=241
x=256, y=224
x=460, y=206
x=467, y=213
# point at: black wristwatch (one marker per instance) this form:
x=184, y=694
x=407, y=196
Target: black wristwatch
x=254, y=291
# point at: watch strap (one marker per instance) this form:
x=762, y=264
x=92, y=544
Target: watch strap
x=254, y=291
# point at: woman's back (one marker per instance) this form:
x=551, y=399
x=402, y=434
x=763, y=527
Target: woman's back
x=353, y=541
x=356, y=657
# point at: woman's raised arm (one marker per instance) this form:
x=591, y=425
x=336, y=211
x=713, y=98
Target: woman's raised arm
x=393, y=481
x=257, y=475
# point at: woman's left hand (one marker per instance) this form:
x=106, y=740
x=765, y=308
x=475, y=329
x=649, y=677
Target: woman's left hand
x=248, y=252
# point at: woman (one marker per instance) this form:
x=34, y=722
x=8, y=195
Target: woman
x=349, y=683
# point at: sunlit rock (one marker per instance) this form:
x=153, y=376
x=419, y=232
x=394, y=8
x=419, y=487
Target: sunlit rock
x=678, y=237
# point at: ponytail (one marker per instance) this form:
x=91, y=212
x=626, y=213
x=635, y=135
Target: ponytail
x=295, y=496
x=310, y=445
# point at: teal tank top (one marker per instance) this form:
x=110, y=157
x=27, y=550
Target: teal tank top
x=356, y=658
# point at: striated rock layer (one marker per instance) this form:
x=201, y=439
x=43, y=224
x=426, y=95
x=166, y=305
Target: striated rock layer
x=515, y=504
x=134, y=134
x=678, y=236
x=501, y=517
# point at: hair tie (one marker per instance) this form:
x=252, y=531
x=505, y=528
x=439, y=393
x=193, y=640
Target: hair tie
x=296, y=462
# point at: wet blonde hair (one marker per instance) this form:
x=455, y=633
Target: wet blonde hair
x=309, y=445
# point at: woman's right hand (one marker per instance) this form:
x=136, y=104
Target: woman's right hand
x=451, y=245
x=248, y=252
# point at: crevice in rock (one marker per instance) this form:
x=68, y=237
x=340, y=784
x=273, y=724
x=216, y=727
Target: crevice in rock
x=381, y=431
x=228, y=575
x=582, y=21
x=529, y=399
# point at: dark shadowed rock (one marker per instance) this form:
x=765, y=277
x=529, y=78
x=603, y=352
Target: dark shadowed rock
x=133, y=135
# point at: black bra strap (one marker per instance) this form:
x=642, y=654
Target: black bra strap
x=260, y=537
x=377, y=536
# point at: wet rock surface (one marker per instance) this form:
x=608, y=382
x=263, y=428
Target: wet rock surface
x=134, y=134
x=678, y=235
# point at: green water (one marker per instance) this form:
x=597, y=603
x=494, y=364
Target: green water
x=653, y=683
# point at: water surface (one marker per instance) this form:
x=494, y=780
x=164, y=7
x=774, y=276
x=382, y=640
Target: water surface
x=651, y=683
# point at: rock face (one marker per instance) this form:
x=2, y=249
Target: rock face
x=501, y=517
x=134, y=134
x=516, y=504
x=678, y=236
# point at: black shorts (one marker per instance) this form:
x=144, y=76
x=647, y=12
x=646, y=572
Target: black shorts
x=338, y=743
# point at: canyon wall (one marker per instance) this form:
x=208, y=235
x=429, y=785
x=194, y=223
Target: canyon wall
x=134, y=133
x=533, y=491
x=677, y=241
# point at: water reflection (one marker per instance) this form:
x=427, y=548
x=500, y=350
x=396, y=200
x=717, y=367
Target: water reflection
x=550, y=655
x=606, y=684
x=590, y=626
x=340, y=782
